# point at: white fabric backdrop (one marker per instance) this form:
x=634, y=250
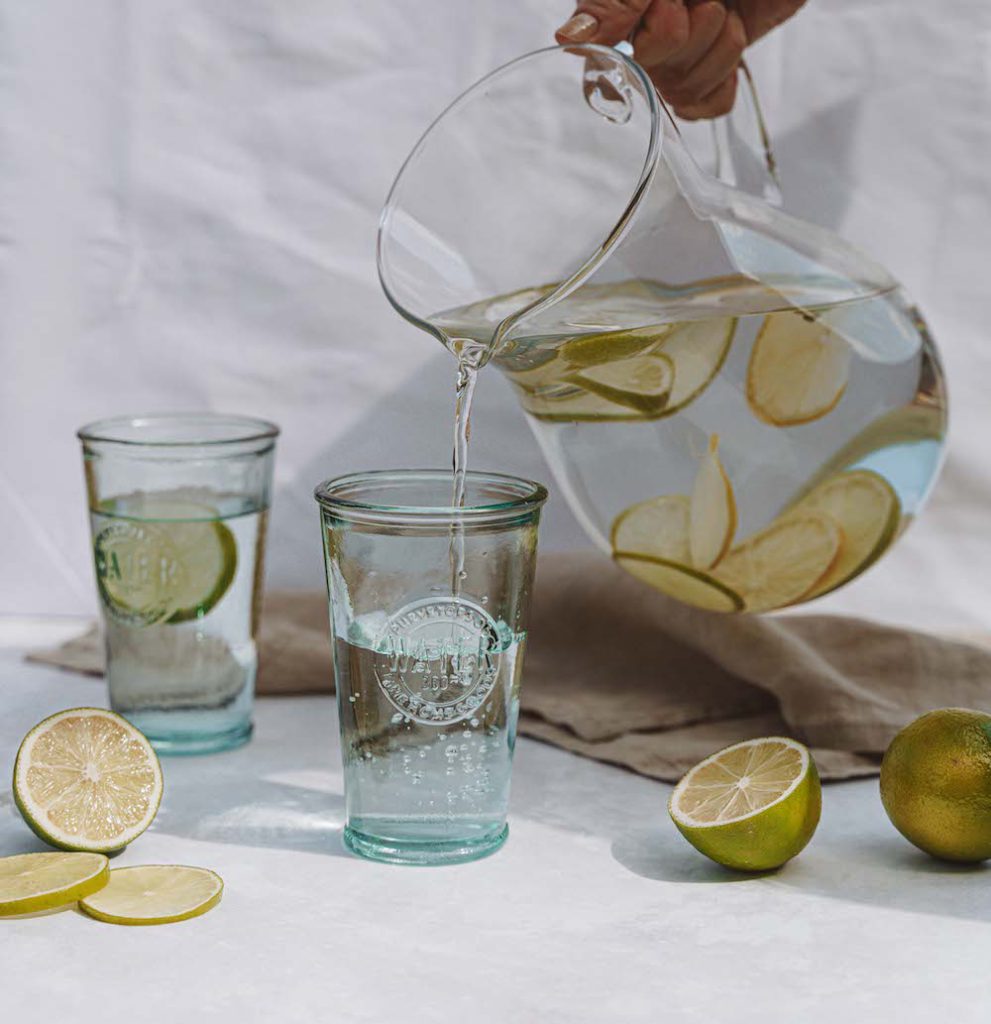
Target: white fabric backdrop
x=188, y=199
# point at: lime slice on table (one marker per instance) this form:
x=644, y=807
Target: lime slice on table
x=642, y=383
x=784, y=562
x=866, y=508
x=162, y=557
x=692, y=586
x=32, y=882
x=154, y=894
x=752, y=806
x=86, y=779
x=798, y=370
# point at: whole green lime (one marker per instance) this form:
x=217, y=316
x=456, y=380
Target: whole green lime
x=936, y=784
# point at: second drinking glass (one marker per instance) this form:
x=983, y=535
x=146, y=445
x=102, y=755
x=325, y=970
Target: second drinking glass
x=429, y=609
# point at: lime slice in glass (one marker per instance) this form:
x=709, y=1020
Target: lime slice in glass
x=162, y=557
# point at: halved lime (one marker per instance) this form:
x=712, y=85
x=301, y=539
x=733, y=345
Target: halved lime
x=641, y=382
x=655, y=528
x=798, y=370
x=866, y=508
x=86, y=779
x=681, y=581
x=154, y=894
x=784, y=562
x=162, y=557
x=752, y=806
x=32, y=882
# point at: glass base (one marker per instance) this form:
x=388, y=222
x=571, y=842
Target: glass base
x=180, y=743
x=422, y=853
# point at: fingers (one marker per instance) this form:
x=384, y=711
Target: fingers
x=602, y=21
x=685, y=85
x=664, y=30
x=720, y=101
x=705, y=22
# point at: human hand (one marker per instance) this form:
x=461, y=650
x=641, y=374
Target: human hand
x=690, y=48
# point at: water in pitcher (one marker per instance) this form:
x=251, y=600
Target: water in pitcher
x=750, y=448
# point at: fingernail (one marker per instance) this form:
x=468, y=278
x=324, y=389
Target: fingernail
x=579, y=28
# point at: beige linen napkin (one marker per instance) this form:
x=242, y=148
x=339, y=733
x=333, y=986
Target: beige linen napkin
x=620, y=673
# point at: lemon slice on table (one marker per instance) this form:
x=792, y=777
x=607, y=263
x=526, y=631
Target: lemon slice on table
x=784, y=562
x=752, y=806
x=32, y=882
x=712, y=519
x=641, y=382
x=162, y=557
x=681, y=581
x=655, y=528
x=798, y=370
x=86, y=779
x=154, y=894
x=865, y=506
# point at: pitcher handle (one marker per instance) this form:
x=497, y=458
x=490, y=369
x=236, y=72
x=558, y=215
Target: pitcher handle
x=733, y=154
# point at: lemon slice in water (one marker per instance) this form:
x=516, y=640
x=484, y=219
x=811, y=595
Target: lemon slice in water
x=655, y=528
x=154, y=894
x=681, y=581
x=32, y=882
x=162, y=557
x=866, y=508
x=86, y=779
x=752, y=806
x=798, y=370
x=697, y=350
x=782, y=563
x=712, y=519
x=641, y=382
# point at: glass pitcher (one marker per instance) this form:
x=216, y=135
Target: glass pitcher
x=742, y=409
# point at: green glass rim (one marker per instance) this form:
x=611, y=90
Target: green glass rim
x=353, y=496
x=179, y=430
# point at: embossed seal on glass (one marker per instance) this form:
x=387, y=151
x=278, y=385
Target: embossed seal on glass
x=437, y=659
x=138, y=572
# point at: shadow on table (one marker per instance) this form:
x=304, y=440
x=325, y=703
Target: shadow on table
x=879, y=871
x=265, y=813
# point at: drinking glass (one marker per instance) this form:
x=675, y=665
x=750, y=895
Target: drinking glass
x=429, y=607
x=178, y=509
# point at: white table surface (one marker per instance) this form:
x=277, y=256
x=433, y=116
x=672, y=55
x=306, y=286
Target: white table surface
x=596, y=910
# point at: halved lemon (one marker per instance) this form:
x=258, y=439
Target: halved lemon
x=154, y=894
x=655, y=528
x=712, y=519
x=698, y=350
x=782, y=563
x=752, y=806
x=32, y=882
x=798, y=370
x=681, y=581
x=641, y=382
x=865, y=506
x=162, y=557
x=86, y=779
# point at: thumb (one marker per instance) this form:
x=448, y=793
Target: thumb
x=602, y=21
